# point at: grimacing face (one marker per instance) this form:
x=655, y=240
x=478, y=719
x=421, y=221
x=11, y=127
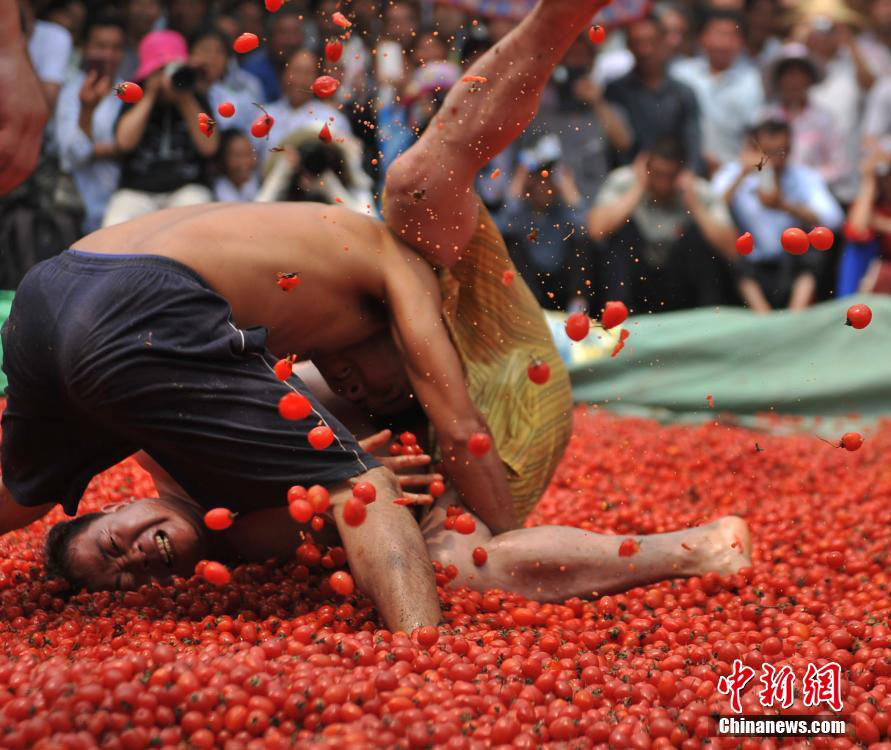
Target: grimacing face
x=131, y=544
x=369, y=375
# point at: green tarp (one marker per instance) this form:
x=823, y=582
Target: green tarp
x=5, y=303
x=807, y=363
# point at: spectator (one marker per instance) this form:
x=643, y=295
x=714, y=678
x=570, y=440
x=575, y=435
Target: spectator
x=86, y=116
x=841, y=91
x=679, y=40
x=589, y=127
x=450, y=20
x=49, y=47
x=875, y=43
x=307, y=169
x=541, y=223
x=876, y=122
x=141, y=17
x=238, y=163
x=815, y=136
x=866, y=259
x=401, y=120
x=209, y=58
x=761, y=31
x=249, y=17
x=655, y=104
x=298, y=109
x=187, y=16
x=663, y=233
x=268, y=62
x=397, y=39
x=727, y=87
x=164, y=152
x=766, y=202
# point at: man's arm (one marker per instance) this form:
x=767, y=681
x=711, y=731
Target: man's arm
x=607, y=215
x=437, y=377
x=14, y=516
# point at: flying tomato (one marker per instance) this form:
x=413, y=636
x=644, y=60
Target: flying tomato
x=614, y=313
x=577, y=326
x=325, y=86
x=245, y=43
x=795, y=241
x=821, y=238
x=333, y=51
x=538, y=372
x=479, y=444
x=859, y=316
x=294, y=406
x=597, y=34
x=128, y=92
x=745, y=243
x=219, y=519
x=287, y=280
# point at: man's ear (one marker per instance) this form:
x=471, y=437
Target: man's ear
x=116, y=506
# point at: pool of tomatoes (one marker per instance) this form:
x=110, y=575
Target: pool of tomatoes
x=276, y=660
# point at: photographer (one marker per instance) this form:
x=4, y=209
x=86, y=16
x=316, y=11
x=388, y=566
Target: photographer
x=86, y=116
x=866, y=259
x=165, y=155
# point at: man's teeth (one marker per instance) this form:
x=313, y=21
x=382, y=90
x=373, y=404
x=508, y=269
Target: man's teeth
x=164, y=547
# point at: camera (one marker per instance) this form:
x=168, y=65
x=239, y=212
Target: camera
x=182, y=76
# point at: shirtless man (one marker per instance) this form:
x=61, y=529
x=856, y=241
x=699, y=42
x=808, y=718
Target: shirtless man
x=160, y=335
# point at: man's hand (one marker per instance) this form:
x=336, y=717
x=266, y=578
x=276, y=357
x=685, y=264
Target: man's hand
x=23, y=110
x=772, y=199
x=587, y=91
x=14, y=516
x=751, y=157
x=686, y=187
x=377, y=444
x=94, y=89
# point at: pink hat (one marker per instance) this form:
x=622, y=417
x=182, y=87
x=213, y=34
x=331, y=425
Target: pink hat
x=157, y=49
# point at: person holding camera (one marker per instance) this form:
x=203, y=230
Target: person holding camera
x=164, y=153
x=866, y=259
x=85, y=118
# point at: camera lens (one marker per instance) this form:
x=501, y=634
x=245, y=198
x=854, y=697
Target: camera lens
x=184, y=77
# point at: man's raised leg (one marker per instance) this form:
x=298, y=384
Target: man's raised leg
x=554, y=563
x=429, y=199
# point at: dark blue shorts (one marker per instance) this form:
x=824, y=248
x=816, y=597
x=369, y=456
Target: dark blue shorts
x=109, y=354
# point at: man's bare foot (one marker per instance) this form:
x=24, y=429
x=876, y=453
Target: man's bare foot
x=726, y=546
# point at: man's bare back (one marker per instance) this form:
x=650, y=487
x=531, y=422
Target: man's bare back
x=345, y=261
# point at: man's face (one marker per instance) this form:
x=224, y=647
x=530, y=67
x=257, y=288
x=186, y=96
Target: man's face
x=721, y=41
x=250, y=18
x=647, y=45
x=208, y=56
x=399, y=23
x=775, y=146
x=142, y=15
x=369, y=375
x=143, y=540
x=239, y=160
x=105, y=45
x=298, y=77
x=662, y=174
x=285, y=38
x=186, y=16
x=793, y=84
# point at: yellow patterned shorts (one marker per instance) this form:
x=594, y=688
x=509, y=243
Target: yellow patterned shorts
x=498, y=329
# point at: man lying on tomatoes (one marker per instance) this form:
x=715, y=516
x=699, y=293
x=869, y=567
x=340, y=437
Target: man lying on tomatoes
x=161, y=335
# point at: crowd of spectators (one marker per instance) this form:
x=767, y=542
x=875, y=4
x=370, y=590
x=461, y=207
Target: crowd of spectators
x=650, y=154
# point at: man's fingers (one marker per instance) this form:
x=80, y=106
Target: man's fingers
x=373, y=442
x=417, y=480
x=410, y=498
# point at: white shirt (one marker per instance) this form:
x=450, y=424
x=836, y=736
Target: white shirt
x=96, y=179
x=226, y=190
x=798, y=184
x=729, y=102
x=49, y=49
x=312, y=115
